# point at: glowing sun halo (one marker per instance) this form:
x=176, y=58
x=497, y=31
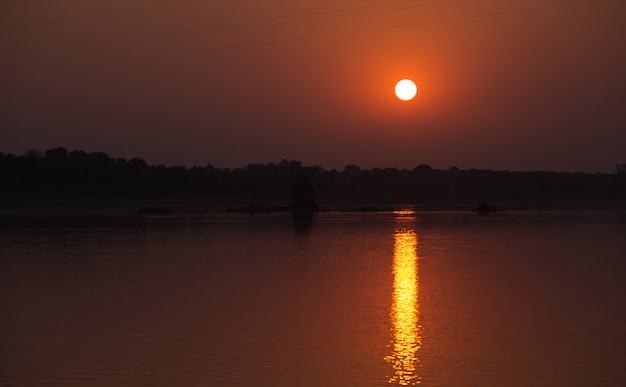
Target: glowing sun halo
x=406, y=90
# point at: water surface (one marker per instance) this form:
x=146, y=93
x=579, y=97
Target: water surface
x=350, y=299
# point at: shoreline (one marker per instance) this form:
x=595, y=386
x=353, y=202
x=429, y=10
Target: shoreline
x=178, y=207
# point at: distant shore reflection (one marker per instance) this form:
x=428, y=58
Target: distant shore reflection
x=405, y=310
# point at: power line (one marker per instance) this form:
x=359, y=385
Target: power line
x=409, y=25
x=308, y=37
x=102, y=15
x=298, y=12
x=321, y=13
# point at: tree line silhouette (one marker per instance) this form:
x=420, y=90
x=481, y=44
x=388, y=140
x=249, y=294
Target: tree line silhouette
x=61, y=174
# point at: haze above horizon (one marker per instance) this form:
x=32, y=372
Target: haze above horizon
x=520, y=85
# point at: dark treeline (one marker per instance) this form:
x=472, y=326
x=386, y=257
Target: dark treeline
x=58, y=173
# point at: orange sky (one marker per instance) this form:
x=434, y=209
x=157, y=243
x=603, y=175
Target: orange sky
x=517, y=85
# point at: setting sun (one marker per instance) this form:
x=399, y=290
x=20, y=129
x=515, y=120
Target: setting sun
x=406, y=90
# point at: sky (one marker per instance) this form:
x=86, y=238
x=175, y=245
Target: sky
x=502, y=84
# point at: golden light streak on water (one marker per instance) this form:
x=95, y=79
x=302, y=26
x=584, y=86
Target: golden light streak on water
x=405, y=311
x=404, y=213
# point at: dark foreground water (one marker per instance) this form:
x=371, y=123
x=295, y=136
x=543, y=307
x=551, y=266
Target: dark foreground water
x=352, y=299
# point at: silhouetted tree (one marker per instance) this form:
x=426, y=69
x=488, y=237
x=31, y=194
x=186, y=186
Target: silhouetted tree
x=36, y=174
x=56, y=155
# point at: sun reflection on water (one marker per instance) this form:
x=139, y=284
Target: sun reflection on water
x=405, y=310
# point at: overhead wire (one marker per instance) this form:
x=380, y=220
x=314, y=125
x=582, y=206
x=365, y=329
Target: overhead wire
x=310, y=37
x=202, y=21
x=253, y=21
x=122, y=12
x=162, y=8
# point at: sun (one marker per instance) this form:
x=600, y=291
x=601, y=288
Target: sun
x=406, y=90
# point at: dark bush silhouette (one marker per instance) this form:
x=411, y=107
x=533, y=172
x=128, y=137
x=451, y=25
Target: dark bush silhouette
x=59, y=173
